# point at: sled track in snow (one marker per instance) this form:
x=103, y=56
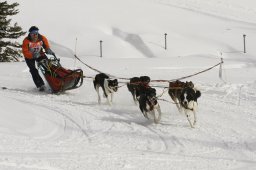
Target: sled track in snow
x=49, y=107
x=164, y=141
x=145, y=125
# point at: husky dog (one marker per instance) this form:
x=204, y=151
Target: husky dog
x=185, y=97
x=175, y=89
x=108, y=86
x=148, y=104
x=188, y=101
x=137, y=86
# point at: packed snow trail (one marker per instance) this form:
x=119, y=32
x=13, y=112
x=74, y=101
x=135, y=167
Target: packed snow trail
x=67, y=129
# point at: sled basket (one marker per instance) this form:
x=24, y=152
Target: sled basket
x=59, y=78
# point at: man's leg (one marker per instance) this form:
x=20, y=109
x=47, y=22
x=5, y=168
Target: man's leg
x=34, y=72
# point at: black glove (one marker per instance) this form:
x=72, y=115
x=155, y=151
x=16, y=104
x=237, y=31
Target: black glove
x=49, y=51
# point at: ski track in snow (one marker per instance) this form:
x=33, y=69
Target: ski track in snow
x=81, y=122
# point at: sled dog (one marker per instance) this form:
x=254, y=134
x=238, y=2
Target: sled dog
x=185, y=97
x=148, y=104
x=137, y=86
x=108, y=86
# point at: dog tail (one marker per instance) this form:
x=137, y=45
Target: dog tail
x=128, y=86
x=94, y=83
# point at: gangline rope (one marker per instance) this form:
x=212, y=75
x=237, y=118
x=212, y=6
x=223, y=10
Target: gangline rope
x=172, y=80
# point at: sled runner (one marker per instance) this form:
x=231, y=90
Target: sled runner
x=59, y=78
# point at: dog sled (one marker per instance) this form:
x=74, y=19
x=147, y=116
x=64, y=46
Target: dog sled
x=59, y=78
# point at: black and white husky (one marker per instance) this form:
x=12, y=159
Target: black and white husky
x=188, y=101
x=185, y=96
x=149, y=105
x=108, y=86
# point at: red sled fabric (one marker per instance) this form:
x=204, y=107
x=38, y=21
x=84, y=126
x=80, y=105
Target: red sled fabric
x=59, y=78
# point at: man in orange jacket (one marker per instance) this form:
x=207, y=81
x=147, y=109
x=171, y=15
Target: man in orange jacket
x=32, y=49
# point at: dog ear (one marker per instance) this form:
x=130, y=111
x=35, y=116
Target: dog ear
x=198, y=93
x=154, y=90
x=148, y=78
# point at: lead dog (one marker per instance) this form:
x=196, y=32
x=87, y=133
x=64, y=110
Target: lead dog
x=137, y=86
x=149, y=105
x=185, y=97
x=108, y=86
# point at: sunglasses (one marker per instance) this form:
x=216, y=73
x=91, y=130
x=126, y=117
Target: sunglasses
x=34, y=33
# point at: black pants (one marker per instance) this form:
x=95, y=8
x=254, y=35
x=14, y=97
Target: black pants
x=34, y=72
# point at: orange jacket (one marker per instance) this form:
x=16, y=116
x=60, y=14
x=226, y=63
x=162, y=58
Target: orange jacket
x=29, y=47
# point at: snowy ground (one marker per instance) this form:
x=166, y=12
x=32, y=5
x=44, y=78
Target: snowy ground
x=70, y=131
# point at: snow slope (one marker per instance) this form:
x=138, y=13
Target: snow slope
x=70, y=131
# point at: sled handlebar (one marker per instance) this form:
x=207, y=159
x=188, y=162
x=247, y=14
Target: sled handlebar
x=54, y=57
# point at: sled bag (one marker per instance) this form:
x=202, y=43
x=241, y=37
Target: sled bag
x=61, y=79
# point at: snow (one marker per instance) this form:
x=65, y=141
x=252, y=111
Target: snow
x=70, y=131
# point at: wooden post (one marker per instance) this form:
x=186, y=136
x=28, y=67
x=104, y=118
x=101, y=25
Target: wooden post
x=244, y=43
x=165, y=41
x=75, y=46
x=220, y=70
x=101, y=48
x=239, y=95
x=75, y=53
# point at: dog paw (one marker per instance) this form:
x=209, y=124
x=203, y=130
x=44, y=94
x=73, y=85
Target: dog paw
x=194, y=123
x=145, y=115
x=156, y=121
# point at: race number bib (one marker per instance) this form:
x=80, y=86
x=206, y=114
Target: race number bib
x=35, y=47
